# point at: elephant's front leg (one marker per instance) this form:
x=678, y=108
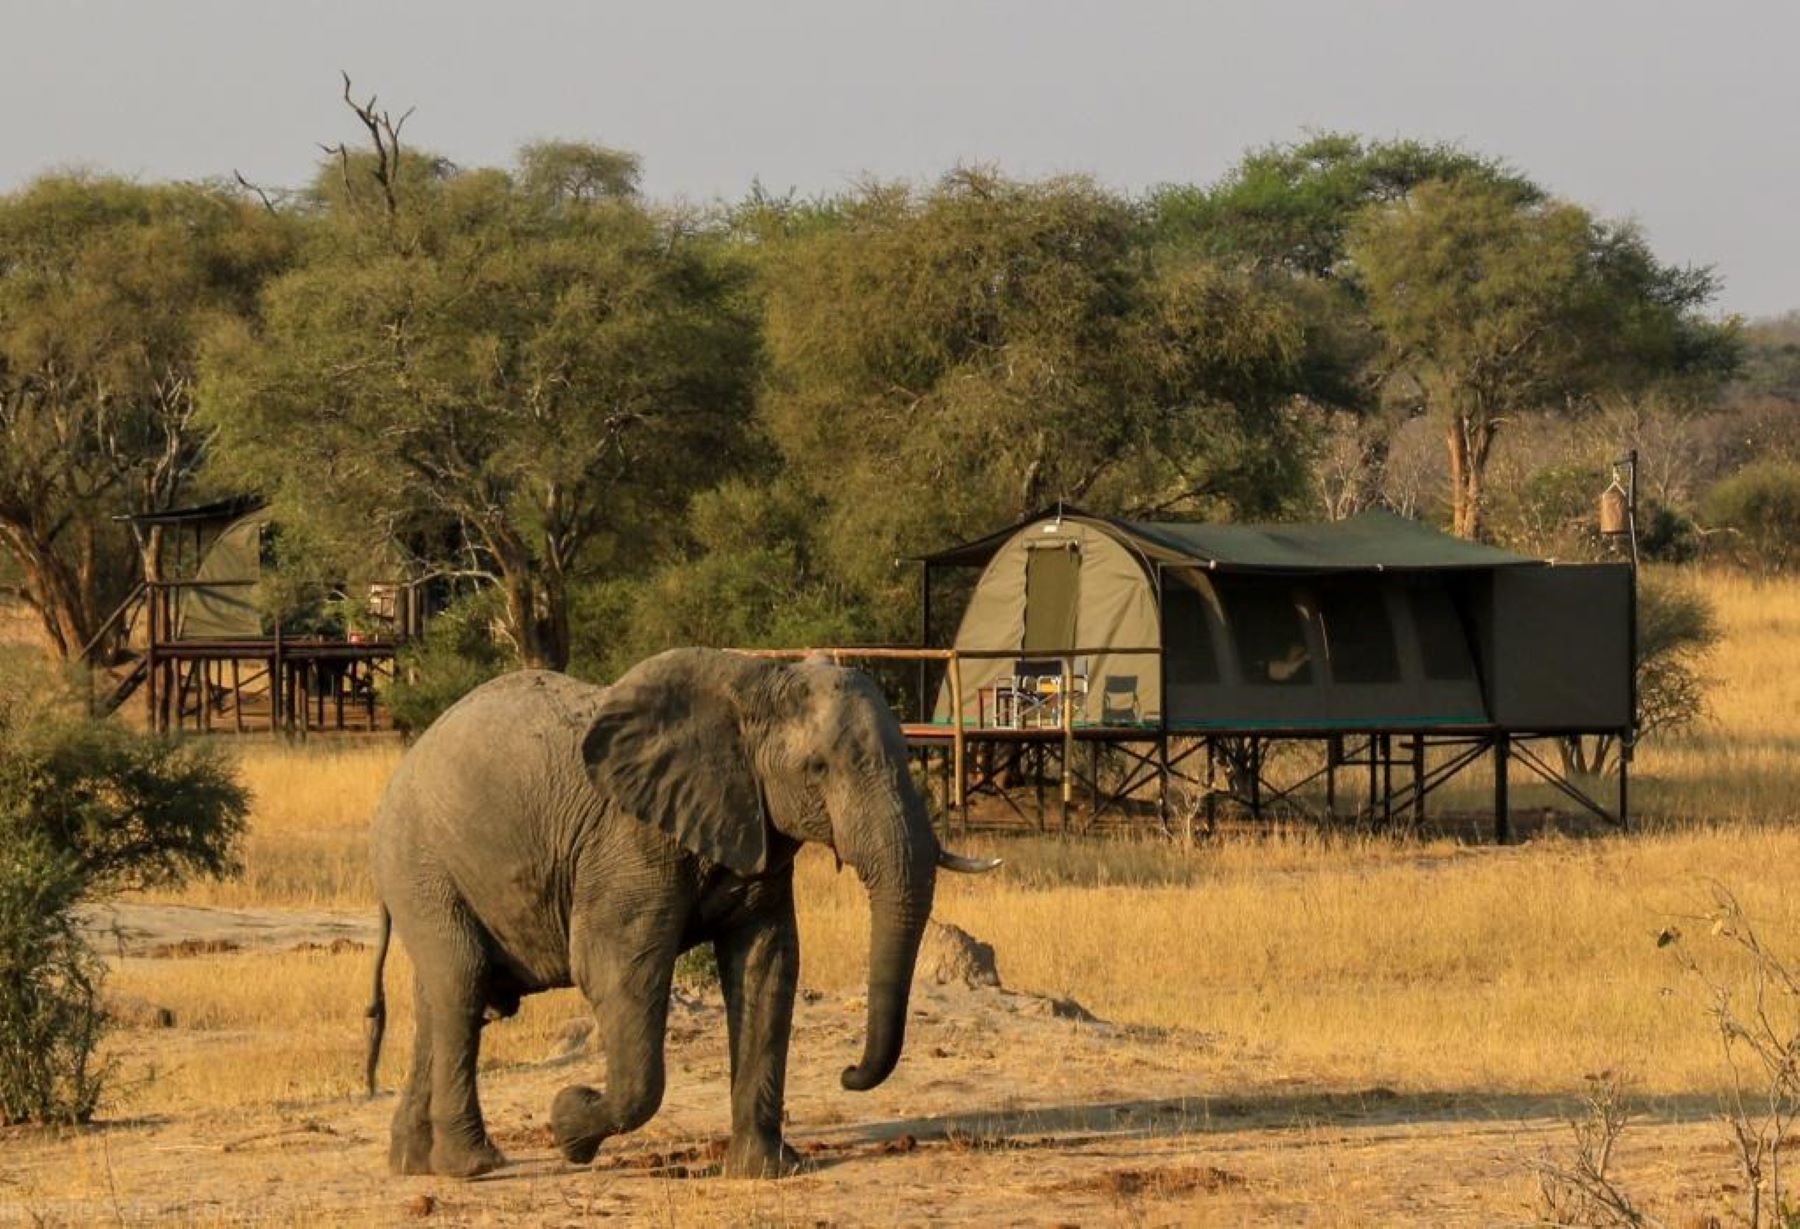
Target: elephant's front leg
x=625, y=973
x=759, y=966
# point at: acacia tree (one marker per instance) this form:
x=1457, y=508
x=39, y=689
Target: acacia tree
x=106, y=287
x=941, y=361
x=502, y=373
x=1489, y=305
x=1291, y=207
x=1286, y=213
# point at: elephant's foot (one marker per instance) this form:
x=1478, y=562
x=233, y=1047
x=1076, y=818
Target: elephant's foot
x=454, y=1159
x=409, y=1151
x=761, y=1156
x=575, y=1118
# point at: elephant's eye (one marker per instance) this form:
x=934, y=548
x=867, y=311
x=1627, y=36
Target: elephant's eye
x=815, y=768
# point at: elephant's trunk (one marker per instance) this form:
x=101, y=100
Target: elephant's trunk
x=900, y=880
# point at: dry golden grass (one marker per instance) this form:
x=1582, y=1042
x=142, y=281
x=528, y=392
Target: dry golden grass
x=1334, y=963
x=308, y=843
x=18, y=626
x=1742, y=763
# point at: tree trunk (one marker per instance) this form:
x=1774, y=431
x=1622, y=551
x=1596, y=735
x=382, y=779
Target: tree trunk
x=554, y=618
x=539, y=617
x=53, y=590
x=1031, y=488
x=60, y=592
x=1469, y=439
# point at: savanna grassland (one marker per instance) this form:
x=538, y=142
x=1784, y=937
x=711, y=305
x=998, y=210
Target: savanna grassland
x=1293, y=1025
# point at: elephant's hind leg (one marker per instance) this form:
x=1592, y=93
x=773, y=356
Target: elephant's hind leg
x=460, y=1147
x=453, y=972
x=409, y=1147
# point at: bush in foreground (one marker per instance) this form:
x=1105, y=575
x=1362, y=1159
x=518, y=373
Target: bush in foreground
x=87, y=808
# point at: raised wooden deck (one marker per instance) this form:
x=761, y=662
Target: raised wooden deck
x=276, y=684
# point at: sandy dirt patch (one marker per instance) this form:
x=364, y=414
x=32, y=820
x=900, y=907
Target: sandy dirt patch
x=133, y=929
x=1008, y=1108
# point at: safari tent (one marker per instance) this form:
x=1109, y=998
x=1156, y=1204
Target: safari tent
x=1375, y=623
x=208, y=652
x=214, y=553
x=221, y=603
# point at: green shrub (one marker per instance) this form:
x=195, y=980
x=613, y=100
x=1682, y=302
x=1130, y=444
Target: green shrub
x=1761, y=504
x=50, y=1015
x=87, y=808
x=1676, y=629
x=697, y=969
x=1666, y=534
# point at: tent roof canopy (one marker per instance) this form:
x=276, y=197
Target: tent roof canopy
x=219, y=511
x=1376, y=540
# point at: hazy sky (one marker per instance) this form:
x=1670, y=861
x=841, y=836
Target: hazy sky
x=1682, y=115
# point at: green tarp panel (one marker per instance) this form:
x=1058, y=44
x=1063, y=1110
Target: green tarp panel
x=1556, y=646
x=1052, y=584
x=1376, y=540
x=226, y=612
x=1371, y=541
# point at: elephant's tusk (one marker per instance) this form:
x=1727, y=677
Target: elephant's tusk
x=965, y=864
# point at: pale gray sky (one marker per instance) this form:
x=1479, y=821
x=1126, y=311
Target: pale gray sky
x=1681, y=115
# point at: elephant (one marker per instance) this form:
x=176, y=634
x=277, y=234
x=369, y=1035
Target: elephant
x=545, y=832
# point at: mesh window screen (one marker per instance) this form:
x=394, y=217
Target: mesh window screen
x=1442, y=642
x=1186, y=639
x=1265, y=623
x=1359, y=638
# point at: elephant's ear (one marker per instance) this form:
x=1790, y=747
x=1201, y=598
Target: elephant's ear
x=668, y=750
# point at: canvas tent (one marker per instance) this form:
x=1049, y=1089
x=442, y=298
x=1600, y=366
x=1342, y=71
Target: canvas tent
x=225, y=609
x=1373, y=623
x=214, y=553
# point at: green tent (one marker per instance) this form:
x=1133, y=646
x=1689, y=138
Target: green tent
x=1376, y=622
x=226, y=608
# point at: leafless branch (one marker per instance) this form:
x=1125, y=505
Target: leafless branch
x=1583, y=1189
x=1759, y=1030
x=384, y=136
x=250, y=187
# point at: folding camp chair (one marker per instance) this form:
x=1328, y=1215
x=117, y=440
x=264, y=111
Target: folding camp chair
x=1119, y=699
x=1037, y=691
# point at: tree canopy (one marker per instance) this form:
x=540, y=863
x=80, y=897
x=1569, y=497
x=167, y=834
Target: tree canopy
x=1004, y=345
x=106, y=290
x=502, y=374
x=1291, y=207
x=1490, y=306
x=632, y=424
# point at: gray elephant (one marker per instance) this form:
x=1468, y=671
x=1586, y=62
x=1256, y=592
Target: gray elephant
x=545, y=833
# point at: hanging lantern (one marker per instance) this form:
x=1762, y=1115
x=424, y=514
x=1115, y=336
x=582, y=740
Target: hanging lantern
x=1615, y=511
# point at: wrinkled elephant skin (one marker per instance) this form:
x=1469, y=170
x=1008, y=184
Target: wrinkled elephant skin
x=545, y=833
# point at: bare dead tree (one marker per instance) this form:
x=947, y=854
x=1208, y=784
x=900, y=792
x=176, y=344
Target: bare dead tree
x=384, y=137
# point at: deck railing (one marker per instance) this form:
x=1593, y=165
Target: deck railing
x=953, y=659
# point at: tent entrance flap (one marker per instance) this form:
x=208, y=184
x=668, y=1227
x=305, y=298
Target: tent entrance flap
x=1052, y=590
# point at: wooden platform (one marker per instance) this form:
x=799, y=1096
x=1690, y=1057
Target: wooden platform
x=277, y=684
x=931, y=733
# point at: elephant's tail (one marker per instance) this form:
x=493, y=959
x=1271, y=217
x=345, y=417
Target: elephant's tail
x=377, y=1012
